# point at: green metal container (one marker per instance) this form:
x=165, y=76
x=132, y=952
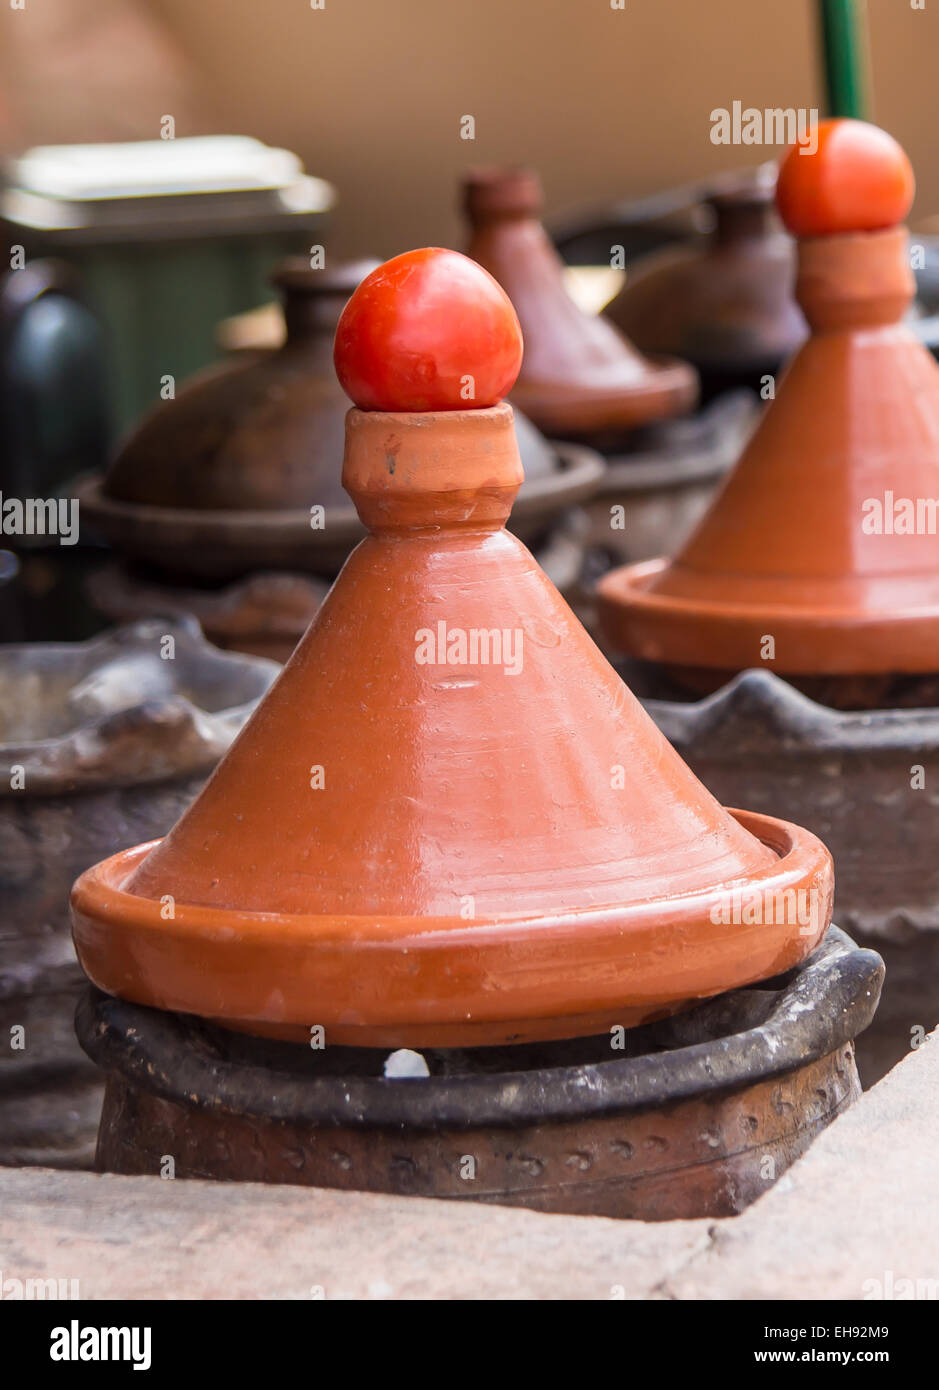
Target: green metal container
x=167, y=237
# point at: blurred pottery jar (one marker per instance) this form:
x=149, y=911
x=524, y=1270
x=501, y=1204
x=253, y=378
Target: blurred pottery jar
x=580, y=377
x=725, y=304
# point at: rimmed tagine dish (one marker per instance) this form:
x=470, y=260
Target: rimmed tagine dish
x=803, y=545
x=476, y=913
x=449, y=825
x=819, y=562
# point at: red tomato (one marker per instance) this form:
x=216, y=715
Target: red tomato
x=429, y=330
x=857, y=180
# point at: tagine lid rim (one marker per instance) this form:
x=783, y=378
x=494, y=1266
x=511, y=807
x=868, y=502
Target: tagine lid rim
x=661, y=376
x=724, y=629
x=105, y=916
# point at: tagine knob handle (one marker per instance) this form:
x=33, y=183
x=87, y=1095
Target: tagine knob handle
x=845, y=195
x=429, y=330
x=426, y=348
x=851, y=177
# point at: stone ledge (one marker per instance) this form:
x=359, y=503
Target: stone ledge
x=136, y=1237
x=863, y=1201
x=860, y=1203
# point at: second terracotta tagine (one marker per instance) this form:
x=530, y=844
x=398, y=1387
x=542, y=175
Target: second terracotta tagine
x=818, y=558
x=818, y=565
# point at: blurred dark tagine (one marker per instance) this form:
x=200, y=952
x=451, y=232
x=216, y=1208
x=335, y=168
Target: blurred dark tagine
x=220, y=482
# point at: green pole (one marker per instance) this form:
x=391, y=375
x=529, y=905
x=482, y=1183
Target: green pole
x=843, y=44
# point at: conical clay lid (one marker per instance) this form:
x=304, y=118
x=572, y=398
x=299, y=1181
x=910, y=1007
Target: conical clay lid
x=824, y=537
x=449, y=822
x=580, y=376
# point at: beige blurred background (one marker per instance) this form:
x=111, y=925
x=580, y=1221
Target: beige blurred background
x=605, y=103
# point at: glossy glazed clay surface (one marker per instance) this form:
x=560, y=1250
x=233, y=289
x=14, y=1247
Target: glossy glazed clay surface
x=790, y=548
x=490, y=855
x=579, y=374
x=449, y=822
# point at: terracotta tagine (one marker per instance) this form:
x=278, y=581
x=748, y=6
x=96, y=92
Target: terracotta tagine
x=811, y=560
x=220, y=482
x=449, y=823
x=580, y=377
x=724, y=304
x=811, y=550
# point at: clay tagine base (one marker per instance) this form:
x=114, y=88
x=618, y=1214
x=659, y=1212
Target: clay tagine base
x=851, y=777
x=103, y=763
x=679, y=1123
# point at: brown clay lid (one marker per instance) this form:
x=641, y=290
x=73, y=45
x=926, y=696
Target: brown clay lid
x=258, y=434
x=219, y=482
x=824, y=535
x=726, y=304
x=263, y=433
x=449, y=822
x=580, y=375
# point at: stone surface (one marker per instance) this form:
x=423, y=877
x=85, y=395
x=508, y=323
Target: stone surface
x=860, y=1206
x=859, y=1211
x=150, y=1238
